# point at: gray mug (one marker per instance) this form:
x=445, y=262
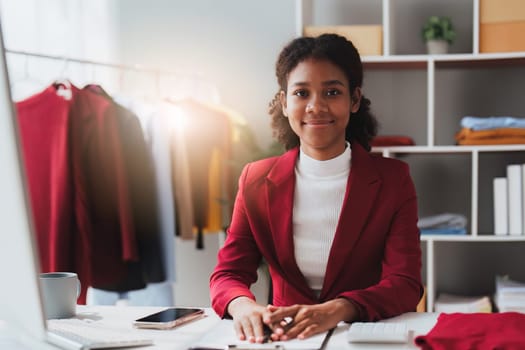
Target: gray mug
x=60, y=291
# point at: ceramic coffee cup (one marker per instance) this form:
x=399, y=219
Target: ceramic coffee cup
x=60, y=291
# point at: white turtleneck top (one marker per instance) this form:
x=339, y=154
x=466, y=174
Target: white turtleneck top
x=319, y=193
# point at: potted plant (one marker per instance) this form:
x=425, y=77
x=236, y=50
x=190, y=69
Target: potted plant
x=438, y=33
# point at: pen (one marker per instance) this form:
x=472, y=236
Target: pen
x=286, y=323
x=267, y=332
x=248, y=347
x=237, y=347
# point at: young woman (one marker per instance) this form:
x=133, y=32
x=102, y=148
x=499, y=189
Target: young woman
x=336, y=225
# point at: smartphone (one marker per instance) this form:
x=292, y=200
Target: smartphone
x=169, y=318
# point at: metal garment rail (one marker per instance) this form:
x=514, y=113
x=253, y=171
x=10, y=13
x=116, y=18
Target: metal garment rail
x=136, y=67
x=194, y=77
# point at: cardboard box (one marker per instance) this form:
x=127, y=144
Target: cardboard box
x=502, y=37
x=496, y=11
x=368, y=39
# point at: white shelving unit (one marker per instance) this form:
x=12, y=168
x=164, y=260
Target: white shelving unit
x=425, y=98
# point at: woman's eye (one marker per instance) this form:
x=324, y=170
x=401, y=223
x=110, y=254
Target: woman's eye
x=301, y=93
x=333, y=92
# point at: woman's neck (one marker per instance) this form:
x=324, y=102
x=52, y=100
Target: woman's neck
x=324, y=154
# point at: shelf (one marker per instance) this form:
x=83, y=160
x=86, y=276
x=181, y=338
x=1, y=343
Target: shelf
x=448, y=60
x=470, y=238
x=425, y=96
x=450, y=149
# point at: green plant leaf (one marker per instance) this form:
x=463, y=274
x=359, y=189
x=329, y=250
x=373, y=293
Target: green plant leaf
x=438, y=28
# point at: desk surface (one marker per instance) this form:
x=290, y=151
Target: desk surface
x=181, y=338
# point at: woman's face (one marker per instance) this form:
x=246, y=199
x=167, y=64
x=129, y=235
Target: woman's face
x=318, y=105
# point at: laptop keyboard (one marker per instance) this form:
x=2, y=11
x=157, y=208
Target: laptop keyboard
x=377, y=332
x=86, y=335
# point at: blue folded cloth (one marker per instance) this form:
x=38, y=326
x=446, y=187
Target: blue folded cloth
x=443, y=231
x=444, y=220
x=485, y=123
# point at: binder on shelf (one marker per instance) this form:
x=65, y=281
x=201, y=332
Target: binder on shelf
x=514, y=182
x=500, y=206
x=523, y=198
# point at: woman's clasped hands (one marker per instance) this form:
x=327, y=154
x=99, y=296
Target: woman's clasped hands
x=258, y=324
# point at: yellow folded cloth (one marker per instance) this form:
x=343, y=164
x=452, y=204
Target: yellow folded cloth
x=501, y=136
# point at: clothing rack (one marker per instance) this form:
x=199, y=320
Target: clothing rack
x=155, y=72
x=193, y=78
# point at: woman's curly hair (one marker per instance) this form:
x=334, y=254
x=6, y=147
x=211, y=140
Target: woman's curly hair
x=362, y=126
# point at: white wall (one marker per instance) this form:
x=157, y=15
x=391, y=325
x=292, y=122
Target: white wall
x=78, y=29
x=233, y=44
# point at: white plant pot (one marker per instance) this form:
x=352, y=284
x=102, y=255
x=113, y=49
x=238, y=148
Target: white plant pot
x=437, y=47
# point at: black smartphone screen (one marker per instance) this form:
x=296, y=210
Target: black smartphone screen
x=169, y=315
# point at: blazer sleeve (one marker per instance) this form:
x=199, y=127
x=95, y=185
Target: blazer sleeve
x=399, y=288
x=238, y=259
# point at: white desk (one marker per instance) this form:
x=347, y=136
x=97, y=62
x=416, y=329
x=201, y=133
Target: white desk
x=181, y=338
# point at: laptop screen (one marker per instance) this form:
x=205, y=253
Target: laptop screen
x=20, y=304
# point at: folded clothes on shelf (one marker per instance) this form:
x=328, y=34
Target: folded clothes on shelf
x=444, y=220
x=459, y=303
x=494, y=122
x=443, y=231
x=391, y=140
x=499, y=136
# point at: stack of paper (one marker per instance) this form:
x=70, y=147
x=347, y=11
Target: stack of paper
x=456, y=303
x=510, y=295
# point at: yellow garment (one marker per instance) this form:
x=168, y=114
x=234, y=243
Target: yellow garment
x=501, y=136
x=202, y=163
x=207, y=137
x=229, y=171
x=215, y=195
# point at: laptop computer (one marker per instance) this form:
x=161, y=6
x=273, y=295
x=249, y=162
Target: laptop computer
x=21, y=310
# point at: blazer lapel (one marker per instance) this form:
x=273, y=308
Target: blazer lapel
x=362, y=189
x=280, y=188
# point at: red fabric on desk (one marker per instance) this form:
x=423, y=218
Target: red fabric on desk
x=476, y=331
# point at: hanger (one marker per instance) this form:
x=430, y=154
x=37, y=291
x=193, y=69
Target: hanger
x=62, y=84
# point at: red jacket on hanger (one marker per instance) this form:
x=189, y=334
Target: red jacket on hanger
x=43, y=121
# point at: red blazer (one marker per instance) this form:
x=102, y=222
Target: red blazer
x=375, y=259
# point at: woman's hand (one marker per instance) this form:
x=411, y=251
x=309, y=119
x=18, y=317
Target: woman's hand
x=247, y=319
x=308, y=320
